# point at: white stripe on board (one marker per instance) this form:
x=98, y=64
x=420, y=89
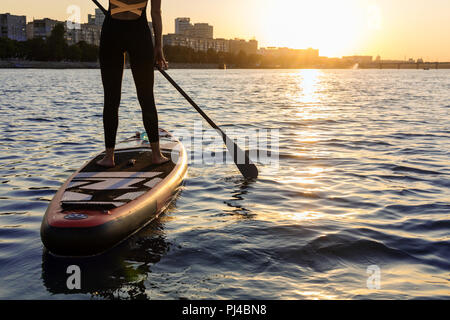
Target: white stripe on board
x=130, y=195
x=116, y=204
x=132, y=150
x=116, y=174
x=75, y=196
x=152, y=183
x=113, y=184
x=73, y=184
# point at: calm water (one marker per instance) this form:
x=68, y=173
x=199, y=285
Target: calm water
x=363, y=179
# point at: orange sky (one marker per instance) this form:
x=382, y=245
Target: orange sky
x=394, y=29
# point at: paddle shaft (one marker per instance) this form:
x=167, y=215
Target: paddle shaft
x=248, y=169
x=100, y=7
x=185, y=95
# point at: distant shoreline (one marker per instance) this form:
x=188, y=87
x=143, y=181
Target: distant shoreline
x=25, y=64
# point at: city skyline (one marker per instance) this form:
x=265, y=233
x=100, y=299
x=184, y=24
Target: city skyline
x=399, y=30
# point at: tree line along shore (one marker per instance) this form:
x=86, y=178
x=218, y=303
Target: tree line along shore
x=54, y=52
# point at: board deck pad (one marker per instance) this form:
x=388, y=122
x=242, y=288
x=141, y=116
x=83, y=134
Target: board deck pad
x=95, y=187
x=98, y=208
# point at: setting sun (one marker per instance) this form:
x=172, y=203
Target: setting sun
x=392, y=29
x=334, y=27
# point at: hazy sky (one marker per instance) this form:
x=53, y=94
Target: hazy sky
x=391, y=28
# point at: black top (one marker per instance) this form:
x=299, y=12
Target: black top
x=127, y=9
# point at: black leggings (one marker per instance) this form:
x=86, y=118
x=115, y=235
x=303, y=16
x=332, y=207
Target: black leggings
x=134, y=37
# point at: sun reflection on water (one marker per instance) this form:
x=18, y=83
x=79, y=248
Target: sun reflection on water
x=307, y=84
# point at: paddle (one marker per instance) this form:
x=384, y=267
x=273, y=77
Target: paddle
x=100, y=6
x=241, y=158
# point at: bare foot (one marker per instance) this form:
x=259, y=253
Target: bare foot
x=159, y=159
x=106, y=162
x=108, y=159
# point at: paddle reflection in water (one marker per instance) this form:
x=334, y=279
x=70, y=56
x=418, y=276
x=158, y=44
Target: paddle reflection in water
x=237, y=206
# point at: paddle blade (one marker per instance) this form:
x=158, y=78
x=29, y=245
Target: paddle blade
x=240, y=158
x=249, y=171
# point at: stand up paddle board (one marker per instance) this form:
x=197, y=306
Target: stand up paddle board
x=97, y=208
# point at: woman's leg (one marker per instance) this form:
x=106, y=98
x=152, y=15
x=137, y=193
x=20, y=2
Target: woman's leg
x=142, y=67
x=112, y=64
x=143, y=75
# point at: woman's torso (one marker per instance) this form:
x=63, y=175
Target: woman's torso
x=127, y=9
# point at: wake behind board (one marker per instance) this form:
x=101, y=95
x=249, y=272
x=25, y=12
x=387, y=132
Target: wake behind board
x=97, y=208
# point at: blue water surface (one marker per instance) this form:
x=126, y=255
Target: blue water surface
x=362, y=180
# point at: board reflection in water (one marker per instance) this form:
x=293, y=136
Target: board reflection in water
x=119, y=273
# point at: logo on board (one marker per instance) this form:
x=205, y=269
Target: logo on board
x=76, y=216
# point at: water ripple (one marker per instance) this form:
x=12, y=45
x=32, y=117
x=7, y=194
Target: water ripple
x=363, y=179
